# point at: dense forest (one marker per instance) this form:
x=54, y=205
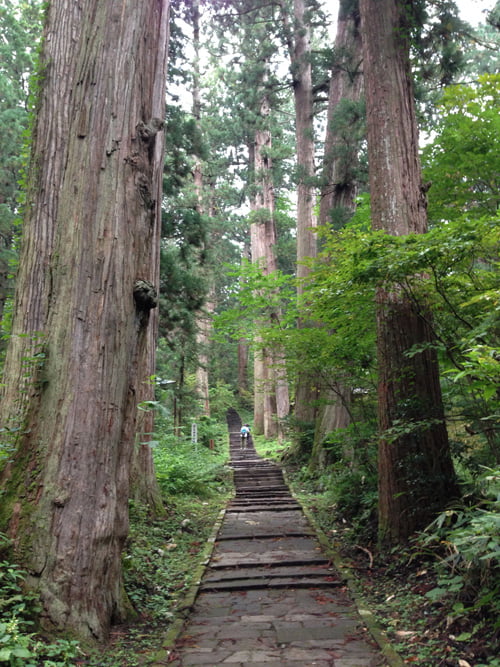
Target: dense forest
x=290, y=208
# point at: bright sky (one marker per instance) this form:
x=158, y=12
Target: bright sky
x=472, y=11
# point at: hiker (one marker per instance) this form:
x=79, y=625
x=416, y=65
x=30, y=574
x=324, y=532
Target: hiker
x=244, y=432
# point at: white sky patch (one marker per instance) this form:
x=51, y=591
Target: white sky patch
x=474, y=11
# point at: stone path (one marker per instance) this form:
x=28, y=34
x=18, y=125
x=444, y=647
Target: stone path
x=269, y=595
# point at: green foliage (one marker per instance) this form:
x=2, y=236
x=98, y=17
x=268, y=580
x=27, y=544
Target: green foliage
x=15, y=645
x=20, y=27
x=468, y=541
x=158, y=552
x=221, y=399
x=483, y=53
x=342, y=493
x=439, y=42
x=452, y=271
x=13, y=602
x=185, y=468
x=462, y=160
x=19, y=645
x=345, y=489
x=260, y=297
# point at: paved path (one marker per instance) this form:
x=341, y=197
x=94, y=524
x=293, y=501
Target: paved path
x=269, y=596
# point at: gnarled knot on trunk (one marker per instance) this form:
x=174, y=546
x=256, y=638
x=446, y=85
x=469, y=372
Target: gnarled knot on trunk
x=145, y=295
x=148, y=131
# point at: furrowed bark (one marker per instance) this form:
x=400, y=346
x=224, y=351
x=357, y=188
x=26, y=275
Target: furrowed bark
x=87, y=284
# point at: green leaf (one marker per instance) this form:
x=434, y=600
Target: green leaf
x=436, y=594
x=21, y=652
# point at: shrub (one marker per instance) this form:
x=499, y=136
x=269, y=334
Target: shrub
x=183, y=467
x=468, y=540
x=19, y=646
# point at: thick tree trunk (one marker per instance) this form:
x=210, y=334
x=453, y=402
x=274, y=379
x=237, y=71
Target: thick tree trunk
x=344, y=123
x=204, y=321
x=243, y=389
x=300, y=56
x=85, y=291
x=416, y=476
x=269, y=380
x=340, y=181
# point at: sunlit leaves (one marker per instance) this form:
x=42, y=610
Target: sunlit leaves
x=462, y=163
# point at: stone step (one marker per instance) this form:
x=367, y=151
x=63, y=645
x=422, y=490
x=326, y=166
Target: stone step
x=273, y=570
x=278, y=582
x=258, y=535
x=262, y=508
x=229, y=561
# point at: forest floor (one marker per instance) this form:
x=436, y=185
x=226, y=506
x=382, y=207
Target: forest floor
x=423, y=630
x=426, y=624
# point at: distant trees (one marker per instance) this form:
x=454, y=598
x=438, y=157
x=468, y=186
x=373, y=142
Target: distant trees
x=246, y=103
x=80, y=346
x=20, y=29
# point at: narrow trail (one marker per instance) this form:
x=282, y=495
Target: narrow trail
x=269, y=596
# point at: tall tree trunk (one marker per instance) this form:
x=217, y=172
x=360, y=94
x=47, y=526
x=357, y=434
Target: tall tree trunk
x=203, y=317
x=299, y=46
x=243, y=345
x=340, y=184
x=144, y=487
x=84, y=294
x=204, y=321
x=262, y=242
x=243, y=367
x=416, y=476
x=343, y=136
x=269, y=381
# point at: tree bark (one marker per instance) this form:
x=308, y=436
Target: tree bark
x=204, y=321
x=270, y=386
x=340, y=163
x=243, y=343
x=243, y=389
x=203, y=317
x=299, y=46
x=262, y=242
x=340, y=182
x=82, y=310
x=416, y=477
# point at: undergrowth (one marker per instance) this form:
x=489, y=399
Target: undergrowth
x=159, y=563
x=19, y=643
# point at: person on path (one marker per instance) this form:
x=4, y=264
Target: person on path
x=244, y=432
